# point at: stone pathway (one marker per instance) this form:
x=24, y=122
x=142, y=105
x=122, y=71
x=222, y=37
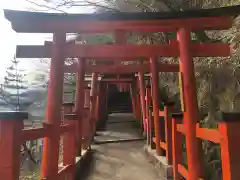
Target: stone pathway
x=120, y=161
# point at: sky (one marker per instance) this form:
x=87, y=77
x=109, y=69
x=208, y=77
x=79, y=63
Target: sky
x=9, y=39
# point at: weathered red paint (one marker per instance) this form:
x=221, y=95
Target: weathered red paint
x=227, y=135
x=10, y=147
x=183, y=171
x=69, y=144
x=162, y=25
x=97, y=93
x=115, y=80
x=176, y=148
x=86, y=97
x=142, y=99
x=124, y=69
x=98, y=52
x=147, y=101
x=102, y=101
x=133, y=98
x=212, y=135
x=93, y=102
x=138, y=106
x=155, y=99
x=80, y=102
x=191, y=106
x=230, y=149
x=168, y=132
x=54, y=108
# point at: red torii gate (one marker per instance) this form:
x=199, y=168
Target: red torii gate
x=182, y=22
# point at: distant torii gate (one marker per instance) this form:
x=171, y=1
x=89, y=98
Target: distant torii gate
x=181, y=22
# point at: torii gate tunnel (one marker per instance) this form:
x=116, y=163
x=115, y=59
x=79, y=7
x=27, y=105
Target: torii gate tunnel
x=79, y=120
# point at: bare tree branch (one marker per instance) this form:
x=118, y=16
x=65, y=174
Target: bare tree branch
x=71, y=3
x=45, y=6
x=29, y=153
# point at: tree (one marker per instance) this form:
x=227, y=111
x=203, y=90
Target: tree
x=13, y=86
x=12, y=89
x=218, y=84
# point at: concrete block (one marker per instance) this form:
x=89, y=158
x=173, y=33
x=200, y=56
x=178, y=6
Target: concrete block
x=159, y=162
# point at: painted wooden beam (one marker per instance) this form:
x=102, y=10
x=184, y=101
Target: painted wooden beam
x=122, y=69
x=115, y=80
x=124, y=51
x=159, y=25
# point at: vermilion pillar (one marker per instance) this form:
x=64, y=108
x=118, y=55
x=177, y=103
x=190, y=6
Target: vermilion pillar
x=102, y=100
x=97, y=94
x=87, y=98
x=176, y=145
x=147, y=100
x=106, y=100
x=69, y=140
x=142, y=99
x=168, y=130
x=133, y=99
x=11, y=125
x=86, y=123
x=54, y=108
x=137, y=100
x=80, y=102
x=190, y=102
x=229, y=130
x=93, y=100
x=155, y=99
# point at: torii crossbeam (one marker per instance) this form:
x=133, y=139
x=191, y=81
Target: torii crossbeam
x=183, y=23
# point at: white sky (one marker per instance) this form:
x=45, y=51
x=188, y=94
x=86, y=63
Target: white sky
x=9, y=39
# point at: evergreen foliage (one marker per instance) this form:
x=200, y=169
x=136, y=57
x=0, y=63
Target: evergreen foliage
x=13, y=86
x=218, y=87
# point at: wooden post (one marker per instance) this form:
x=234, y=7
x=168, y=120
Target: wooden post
x=139, y=112
x=80, y=103
x=103, y=94
x=176, y=145
x=136, y=100
x=168, y=131
x=155, y=98
x=229, y=131
x=151, y=127
x=148, y=99
x=11, y=125
x=69, y=139
x=133, y=98
x=138, y=107
x=190, y=104
x=54, y=108
x=97, y=94
x=86, y=123
x=142, y=99
x=87, y=97
x=100, y=101
x=93, y=101
x=106, y=100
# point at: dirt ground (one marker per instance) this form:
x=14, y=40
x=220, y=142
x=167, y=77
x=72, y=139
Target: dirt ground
x=120, y=161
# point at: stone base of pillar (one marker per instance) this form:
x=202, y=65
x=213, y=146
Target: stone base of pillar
x=84, y=163
x=160, y=163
